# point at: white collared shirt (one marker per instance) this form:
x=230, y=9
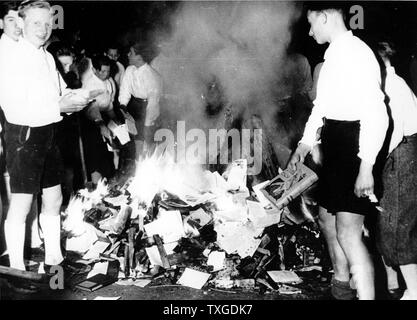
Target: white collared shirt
x=143, y=83
x=29, y=84
x=120, y=73
x=349, y=88
x=403, y=105
x=91, y=82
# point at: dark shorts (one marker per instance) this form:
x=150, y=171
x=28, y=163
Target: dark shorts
x=32, y=158
x=137, y=108
x=340, y=146
x=397, y=224
x=97, y=157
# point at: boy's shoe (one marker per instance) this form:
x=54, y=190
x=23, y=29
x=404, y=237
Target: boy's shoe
x=341, y=290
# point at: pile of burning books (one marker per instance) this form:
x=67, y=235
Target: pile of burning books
x=173, y=224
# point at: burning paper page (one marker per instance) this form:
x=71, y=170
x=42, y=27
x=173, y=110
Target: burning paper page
x=194, y=279
x=261, y=218
x=117, y=201
x=147, y=181
x=168, y=225
x=216, y=183
x=74, y=223
x=98, y=194
x=238, y=237
x=236, y=175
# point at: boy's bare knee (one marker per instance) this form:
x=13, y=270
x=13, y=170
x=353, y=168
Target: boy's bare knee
x=52, y=201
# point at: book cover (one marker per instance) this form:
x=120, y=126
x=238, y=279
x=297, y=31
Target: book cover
x=96, y=282
x=288, y=185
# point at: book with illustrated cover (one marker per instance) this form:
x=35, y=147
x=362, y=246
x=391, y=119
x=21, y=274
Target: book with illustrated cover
x=288, y=185
x=96, y=282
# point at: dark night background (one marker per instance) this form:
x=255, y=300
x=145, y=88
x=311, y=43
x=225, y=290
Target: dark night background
x=122, y=22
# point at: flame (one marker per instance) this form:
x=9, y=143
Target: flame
x=158, y=173
x=98, y=194
x=74, y=216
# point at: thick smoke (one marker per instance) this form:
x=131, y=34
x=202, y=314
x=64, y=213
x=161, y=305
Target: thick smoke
x=241, y=44
x=243, y=47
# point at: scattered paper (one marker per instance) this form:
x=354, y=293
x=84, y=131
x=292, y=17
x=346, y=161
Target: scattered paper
x=236, y=177
x=284, y=289
x=117, y=201
x=168, y=225
x=154, y=256
x=206, y=252
x=97, y=248
x=41, y=269
x=122, y=133
x=284, y=276
x=200, y=216
x=216, y=259
x=216, y=182
x=194, y=279
x=106, y=298
x=238, y=237
x=130, y=122
x=260, y=217
x=137, y=282
x=259, y=194
x=111, y=125
x=99, y=267
x=82, y=243
x=236, y=214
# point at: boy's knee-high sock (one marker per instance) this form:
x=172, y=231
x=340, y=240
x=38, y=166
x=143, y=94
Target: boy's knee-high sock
x=51, y=229
x=15, y=241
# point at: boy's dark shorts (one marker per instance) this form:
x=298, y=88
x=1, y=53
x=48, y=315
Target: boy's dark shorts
x=32, y=158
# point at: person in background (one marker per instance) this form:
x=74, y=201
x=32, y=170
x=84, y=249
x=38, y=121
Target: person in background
x=350, y=109
x=140, y=94
x=31, y=101
x=68, y=138
x=113, y=53
x=96, y=135
x=397, y=223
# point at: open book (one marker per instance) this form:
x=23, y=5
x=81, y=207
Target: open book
x=288, y=185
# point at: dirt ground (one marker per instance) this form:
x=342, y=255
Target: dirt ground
x=165, y=292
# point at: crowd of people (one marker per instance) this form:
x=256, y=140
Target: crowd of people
x=60, y=107
x=61, y=103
